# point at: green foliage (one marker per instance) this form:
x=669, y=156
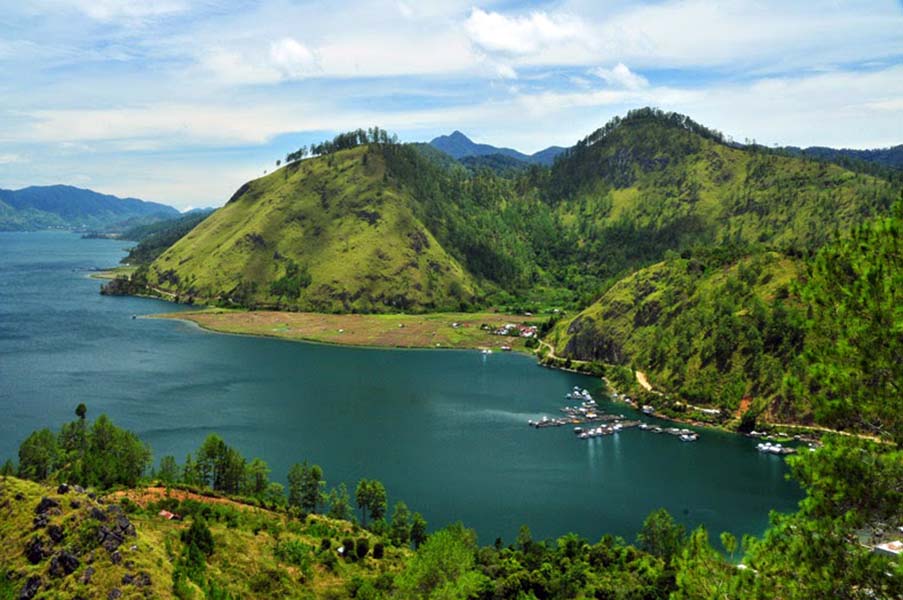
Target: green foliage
x=443, y=567
x=219, y=466
x=854, y=350
x=155, y=238
x=418, y=530
x=306, y=484
x=661, y=536
x=370, y=496
x=199, y=536
x=400, y=528
x=102, y=456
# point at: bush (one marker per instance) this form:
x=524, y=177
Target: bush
x=348, y=545
x=378, y=550
x=363, y=547
x=325, y=544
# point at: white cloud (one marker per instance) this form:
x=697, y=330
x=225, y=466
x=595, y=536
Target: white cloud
x=8, y=159
x=293, y=59
x=112, y=10
x=620, y=76
x=495, y=32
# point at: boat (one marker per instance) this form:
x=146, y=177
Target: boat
x=578, y=430
x=506, y=348
x=643, y=426
x=648, y=409
x=486, y=351
x=689, y=437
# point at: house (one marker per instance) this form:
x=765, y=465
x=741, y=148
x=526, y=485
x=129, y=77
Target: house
x=169, y=516
x=894, y=548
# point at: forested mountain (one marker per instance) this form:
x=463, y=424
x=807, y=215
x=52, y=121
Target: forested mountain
x=458, y=146
x=891, y=157
x=67, y=207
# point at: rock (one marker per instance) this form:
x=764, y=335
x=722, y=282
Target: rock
x=30, y=589
x=56, y=533
x=97, y=514
x=92, y=495
x=75, y=503
x=86, y=576
x=127, y=579
x=143, y=579
x=63, y=489
x=79, y=489
x=35, y=551
x=109, y=539
x=125, y=527
x=45, y=505
x=114, y=594
x=63, y=564
x=41, y=521
x=19, y=497
x=116, y=557
x=129, y=564
x=133, y=547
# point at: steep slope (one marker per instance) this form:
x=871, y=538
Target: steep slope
x=712, y=328
x=657, y=181
x=70, y=207
x=66, y=544
x=329, y=234
x=155, y=238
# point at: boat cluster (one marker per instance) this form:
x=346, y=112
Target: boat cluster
x=769, y=448
x=578, y=394
x=598, y=431
x=685, y=435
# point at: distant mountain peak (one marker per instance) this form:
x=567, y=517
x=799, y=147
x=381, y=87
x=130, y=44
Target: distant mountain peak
x=458, y=146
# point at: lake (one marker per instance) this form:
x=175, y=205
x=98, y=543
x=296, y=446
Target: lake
x=446, y=431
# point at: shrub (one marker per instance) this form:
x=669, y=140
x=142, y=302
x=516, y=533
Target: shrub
x=362, y=547
x=378, y=550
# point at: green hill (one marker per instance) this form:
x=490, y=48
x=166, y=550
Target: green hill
x=712, y=329
x=657, y=181
x=332, y=233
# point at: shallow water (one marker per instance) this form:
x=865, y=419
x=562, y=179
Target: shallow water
x=444, y=430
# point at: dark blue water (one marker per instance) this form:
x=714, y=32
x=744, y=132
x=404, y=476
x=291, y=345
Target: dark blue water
x=444, y=430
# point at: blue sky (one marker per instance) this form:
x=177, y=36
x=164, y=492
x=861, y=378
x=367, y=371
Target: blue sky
x=182, y=101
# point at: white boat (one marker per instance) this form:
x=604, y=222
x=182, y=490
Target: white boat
x=689, y=437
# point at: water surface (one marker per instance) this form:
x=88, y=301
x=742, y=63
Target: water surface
x=443, y=430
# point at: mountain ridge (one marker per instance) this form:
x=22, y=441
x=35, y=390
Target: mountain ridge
x=70, y=207
x=458, y=146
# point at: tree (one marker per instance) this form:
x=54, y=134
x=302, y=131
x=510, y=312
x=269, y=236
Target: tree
x=661, y=535
x=81, y=411
x=312, y=488
x=274, y=494
x=168, y=472
x=418, y=530
x=443, y=567
x=854, y=293
x=340, y=503
x=296, y=476
x=371, y=499
x=198, y=535
x=219, y=466
x=115, y=456
x=257, y=478
x=7, y=469
x=400, y=529
x=38, y=455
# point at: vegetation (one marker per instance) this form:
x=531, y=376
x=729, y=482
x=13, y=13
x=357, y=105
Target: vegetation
x=154, y=238
x=67, y=207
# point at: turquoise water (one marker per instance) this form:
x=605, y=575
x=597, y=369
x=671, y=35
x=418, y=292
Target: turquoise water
x=444, y=430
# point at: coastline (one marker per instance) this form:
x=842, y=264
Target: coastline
x=438, y=331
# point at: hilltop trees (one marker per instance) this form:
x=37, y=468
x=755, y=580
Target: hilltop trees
x=305, y=486
x=370, y=496
x=102, y=455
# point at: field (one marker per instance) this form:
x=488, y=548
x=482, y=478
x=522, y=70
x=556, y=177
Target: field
x=436, y=330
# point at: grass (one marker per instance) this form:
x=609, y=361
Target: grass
x=123, y=271
x=434, y=330
x=338, y=218
x=246, y=562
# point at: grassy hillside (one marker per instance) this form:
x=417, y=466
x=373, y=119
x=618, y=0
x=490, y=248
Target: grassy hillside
x=714, y=331
x=82, y=546
x=326, y=234
x=652, y=182
x=155, y=238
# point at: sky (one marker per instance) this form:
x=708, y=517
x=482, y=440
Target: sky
x=181, y=101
